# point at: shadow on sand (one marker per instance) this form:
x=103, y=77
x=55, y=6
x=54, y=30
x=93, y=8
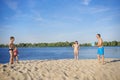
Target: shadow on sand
x=113, y=61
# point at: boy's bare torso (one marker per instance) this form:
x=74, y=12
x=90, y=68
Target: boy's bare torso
x=100, y=42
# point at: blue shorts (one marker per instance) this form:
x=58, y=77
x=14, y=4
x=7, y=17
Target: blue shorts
x=100, y=51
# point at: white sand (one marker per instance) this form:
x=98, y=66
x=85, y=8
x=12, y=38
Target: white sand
x=62, y=70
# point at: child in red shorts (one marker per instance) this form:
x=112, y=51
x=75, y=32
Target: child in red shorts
x=16, y=54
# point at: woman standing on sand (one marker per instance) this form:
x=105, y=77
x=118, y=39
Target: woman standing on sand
x=76, y=47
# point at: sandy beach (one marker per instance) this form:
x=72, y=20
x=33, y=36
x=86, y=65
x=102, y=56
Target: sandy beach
x=88, y=69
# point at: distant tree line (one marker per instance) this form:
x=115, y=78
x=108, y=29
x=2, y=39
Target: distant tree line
x=60, y=44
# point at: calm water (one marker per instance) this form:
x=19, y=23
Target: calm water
x=58, y=53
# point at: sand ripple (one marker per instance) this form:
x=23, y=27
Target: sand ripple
x=61, y=70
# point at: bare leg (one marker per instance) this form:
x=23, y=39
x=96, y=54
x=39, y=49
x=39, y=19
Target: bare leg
x=17, y=59
x=77, y=56
x=11, y=57
x=102, y=59
x=98, y=58
x=74, y=56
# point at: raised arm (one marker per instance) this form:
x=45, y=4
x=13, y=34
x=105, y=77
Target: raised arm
x=73, y=46
x=79, y=46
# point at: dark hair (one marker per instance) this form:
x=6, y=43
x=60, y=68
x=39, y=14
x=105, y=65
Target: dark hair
x=12, y=37
x=76, y=42
x=99, y=35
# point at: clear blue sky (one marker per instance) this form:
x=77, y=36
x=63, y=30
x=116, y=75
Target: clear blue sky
x=59, y=20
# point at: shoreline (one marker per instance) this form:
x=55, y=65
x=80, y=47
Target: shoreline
x=63, y=69
x=55, y=60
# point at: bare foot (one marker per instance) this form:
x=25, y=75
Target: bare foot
x=18, y=62
x=103, y=63
x=99, y=62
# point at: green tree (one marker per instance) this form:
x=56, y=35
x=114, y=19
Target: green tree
x=114, y=43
